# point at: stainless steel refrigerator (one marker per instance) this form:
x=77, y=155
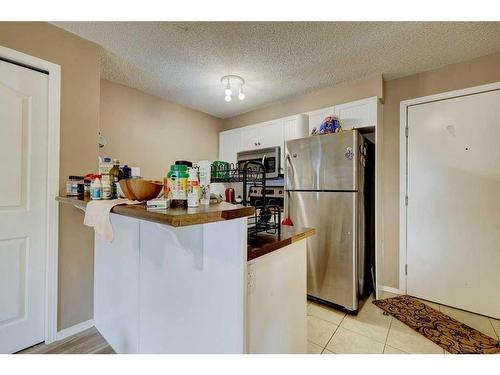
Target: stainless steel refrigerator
x=330, y=187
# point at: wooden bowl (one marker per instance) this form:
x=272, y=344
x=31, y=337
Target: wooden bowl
x=140, y=190
x=126, y=191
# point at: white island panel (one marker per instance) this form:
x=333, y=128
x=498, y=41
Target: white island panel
x=277, y=301
x=116, y=292
x=192, y=283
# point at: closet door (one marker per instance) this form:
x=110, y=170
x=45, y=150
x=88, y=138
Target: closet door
x=23, y=206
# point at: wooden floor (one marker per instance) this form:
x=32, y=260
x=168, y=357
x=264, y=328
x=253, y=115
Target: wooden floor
x=89, y=341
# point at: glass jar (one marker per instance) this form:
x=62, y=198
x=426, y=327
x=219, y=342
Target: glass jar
x=72, y=185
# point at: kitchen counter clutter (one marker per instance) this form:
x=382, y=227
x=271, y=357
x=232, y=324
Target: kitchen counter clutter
x=174, y=216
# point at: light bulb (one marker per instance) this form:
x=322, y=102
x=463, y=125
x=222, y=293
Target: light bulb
x=241, y=94
x=228, y=92
x=227, y=98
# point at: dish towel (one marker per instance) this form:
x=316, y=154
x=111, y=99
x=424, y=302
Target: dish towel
x=97, y=216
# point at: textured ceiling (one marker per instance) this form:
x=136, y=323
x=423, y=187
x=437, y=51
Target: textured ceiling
x=183, y=62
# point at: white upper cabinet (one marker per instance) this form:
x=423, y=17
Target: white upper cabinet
x=358, y=114
x=317, y=117
x=262, y=135
x=271, y=134
x=250, y=138
x=295, y=127
x=229, y=145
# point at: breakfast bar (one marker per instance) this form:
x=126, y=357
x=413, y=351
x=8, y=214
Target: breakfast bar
x=188, y=281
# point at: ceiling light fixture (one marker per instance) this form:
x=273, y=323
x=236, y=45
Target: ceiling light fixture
x=241, y=94
x=228, y=92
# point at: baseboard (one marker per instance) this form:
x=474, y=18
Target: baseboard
x=389, y=289
x=73, y=330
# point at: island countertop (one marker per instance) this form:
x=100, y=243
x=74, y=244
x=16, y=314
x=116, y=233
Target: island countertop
x=265, y=244
x=174, y=216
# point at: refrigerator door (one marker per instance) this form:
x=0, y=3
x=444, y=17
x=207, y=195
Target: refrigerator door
x=331, y=270
x=322, y=162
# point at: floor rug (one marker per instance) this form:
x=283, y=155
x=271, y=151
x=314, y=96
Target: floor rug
x=448, y=333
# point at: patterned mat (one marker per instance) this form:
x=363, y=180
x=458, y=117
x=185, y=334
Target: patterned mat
x=448, y=333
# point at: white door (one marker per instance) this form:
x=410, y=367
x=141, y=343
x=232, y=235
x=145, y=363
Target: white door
x=23, y=206
x=453, y=215
x=229, y=145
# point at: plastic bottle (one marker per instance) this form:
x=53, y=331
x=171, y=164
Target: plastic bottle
x=106, y=187
x=95, y=188
x=193, y=199
x=204, y=168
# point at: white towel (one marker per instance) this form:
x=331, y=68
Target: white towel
x=97, y=216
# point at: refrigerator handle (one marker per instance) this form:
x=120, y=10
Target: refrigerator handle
x=288, y=162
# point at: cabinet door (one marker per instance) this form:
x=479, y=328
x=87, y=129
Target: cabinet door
x=358, y=114
x=296, y=127
x=317, y=117
x=271, y=134
x=250, y=138
x=229, y=145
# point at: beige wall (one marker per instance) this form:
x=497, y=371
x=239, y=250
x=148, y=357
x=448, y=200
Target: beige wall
x=80, y=71
x=453, y=77
x=326, y=97
x=149, y=132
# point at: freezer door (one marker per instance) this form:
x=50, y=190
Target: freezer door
x=331, y=271
x=322, y=162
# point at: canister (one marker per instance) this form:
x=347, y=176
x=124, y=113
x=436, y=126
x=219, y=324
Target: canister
x=177, y=182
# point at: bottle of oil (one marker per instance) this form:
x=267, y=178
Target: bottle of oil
x=115, y=175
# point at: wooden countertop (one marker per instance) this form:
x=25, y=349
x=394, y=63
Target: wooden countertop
x=265, y=244
x=174, y=216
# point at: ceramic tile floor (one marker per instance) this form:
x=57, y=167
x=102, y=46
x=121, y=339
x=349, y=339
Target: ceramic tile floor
x=371, y=332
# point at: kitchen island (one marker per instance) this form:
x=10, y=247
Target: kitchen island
x=187, y=281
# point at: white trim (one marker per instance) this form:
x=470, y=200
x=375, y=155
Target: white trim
x=379, y=224
x=73, y=330
x=53, y=124
x=389, y=289
x=402, y=163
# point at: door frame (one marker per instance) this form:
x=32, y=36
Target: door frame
x=403, y=166
x=52, y=229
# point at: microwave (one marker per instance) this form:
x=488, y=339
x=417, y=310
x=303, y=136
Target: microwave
x=270, y=157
